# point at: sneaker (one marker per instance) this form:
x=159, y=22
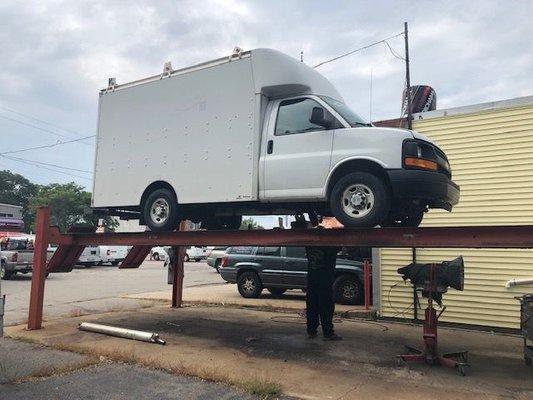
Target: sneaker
x=333, y=337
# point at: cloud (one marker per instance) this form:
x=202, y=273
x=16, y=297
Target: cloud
x=56, y=55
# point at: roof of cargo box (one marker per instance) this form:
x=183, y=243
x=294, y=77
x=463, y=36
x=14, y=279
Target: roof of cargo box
x=275, y=74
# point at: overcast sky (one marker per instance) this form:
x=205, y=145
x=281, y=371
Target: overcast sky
x=56, y=55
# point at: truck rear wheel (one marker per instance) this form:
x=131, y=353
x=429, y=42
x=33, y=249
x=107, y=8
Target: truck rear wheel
x=160, y=210
x=360, y=199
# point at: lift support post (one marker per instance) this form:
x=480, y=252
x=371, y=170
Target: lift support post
x=71, y=245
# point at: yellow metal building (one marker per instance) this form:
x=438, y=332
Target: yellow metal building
x=490, y=149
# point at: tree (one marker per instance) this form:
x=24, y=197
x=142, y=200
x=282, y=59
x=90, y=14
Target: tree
x=249, y=223
x=18, y=191
x=68, y=204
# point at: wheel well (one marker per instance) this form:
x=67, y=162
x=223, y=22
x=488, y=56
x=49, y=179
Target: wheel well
x=357, y=166
x=153, y=186
x=354, y=275
x=246, y=269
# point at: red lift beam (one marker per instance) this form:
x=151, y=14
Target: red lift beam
x=72, y=242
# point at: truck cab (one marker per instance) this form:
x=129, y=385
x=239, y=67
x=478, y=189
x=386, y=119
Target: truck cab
x=315, y=147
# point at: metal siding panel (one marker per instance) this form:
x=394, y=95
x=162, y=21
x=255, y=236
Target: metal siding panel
x=490, y=154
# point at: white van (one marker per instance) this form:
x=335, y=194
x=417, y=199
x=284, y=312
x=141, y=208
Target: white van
x=257, y=132
x=113, y=255
x=89, y=257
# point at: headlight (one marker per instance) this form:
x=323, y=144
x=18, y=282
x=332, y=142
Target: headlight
x=419, y=155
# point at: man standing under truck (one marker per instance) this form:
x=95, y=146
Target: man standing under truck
x=320, y=302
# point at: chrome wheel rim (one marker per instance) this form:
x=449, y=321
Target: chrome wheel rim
x=349, y=291
x=357, y=200
x=159, y=211
x=248, y=285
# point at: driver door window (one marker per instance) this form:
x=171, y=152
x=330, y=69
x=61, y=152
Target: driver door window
x=294, y=116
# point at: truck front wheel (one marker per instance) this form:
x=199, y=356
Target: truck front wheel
x=160, y=210
x=360, y=199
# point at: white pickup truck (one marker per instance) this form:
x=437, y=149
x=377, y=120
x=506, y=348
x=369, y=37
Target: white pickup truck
x=254, y=133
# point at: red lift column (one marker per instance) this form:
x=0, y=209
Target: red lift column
x=38, y=276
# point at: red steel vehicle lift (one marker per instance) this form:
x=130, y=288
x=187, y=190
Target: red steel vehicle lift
x=71, y=245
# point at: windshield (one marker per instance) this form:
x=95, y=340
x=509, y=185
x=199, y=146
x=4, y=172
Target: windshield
x=352, y=118
x=16, y=245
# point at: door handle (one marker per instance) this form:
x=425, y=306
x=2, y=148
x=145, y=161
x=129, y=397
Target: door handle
x=270, y=146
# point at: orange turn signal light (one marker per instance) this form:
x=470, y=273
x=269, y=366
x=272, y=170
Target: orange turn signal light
x=420, y=163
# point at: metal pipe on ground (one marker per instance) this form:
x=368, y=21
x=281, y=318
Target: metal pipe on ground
x=132, y=334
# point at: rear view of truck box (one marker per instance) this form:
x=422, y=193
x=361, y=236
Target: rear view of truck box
x=198, y=130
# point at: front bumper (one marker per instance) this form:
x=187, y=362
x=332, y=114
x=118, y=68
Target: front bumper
x=433, y=188
x=19, y=267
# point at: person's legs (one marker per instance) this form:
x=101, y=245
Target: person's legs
x=325, y=301
x=312, y=302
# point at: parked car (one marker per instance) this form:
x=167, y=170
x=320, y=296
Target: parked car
x=158, y=253
x=196, y=253
x=113, y=255
x=280, y=268
x=287, y=140
x=16, y=255
x=90, y=256
x=191, y=253
x=214, y=258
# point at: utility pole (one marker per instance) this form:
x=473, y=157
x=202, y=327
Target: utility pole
x=407, y=77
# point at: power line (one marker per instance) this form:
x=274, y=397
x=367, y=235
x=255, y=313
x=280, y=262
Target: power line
x=44, y=163
x=357, y=50
x=39, y=120
x=49, y=169
x=37, y=127
x=46, y=146
x=393, y=52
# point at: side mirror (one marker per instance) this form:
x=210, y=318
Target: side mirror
x=318, y=117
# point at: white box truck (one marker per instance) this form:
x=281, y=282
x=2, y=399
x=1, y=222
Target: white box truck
x=254, y=133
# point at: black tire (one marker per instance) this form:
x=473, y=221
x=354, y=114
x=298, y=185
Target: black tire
x=186, y=258
x=222, y=223
x=372, y=194
x=156, y=257
x=5, y=274
x=249, y=285
x=160, y=210
x=115, y=263
x=348, y=290
x=408, y=221
x=217, y=265
x=276, y=291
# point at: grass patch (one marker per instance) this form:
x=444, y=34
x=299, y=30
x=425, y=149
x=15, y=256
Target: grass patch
x=48, y=371
x=264, y=388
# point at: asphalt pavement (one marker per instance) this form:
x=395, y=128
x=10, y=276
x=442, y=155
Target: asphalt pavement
x=97, y=289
